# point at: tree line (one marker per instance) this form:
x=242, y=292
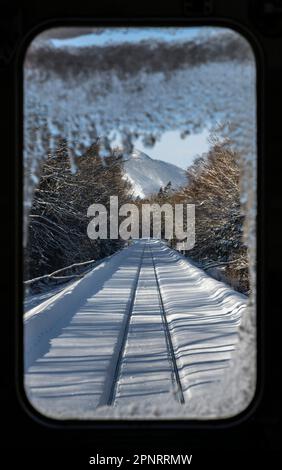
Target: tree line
x=213, y=185
x=57, y=235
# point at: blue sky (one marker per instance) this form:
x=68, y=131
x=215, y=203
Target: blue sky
x=134, y=35
x=171, y=148
x=181, y=152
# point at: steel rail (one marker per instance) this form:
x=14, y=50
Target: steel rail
x=116, y=374
x=168, y=337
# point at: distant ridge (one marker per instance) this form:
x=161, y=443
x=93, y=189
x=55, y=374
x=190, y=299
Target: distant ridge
x=147, y=175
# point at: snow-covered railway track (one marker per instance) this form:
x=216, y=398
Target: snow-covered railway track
x=146, y=366
x=144, y=330
x=125, y=334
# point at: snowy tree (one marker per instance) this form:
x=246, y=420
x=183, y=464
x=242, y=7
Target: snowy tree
x=214, y=187
x=58, y=217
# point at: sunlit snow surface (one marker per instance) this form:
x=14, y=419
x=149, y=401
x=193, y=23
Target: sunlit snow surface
x=72, y=340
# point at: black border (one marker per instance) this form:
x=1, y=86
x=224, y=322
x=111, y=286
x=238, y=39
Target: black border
x=223, y=423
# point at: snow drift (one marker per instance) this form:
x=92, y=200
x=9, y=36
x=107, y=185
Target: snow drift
x=72, y=341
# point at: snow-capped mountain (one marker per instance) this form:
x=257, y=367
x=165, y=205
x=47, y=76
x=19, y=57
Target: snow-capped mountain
x=147, y=175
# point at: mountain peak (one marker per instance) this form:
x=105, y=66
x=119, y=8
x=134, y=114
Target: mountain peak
x=147, y=175
x=137, y=154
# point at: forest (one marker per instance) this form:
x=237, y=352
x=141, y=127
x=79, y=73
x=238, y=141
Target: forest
x=58, y=218
x=57, y=229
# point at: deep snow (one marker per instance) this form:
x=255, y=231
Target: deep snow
x=72, y=341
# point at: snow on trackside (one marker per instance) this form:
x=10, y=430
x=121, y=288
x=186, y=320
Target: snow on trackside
x=72, y=341
x=41, y=321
